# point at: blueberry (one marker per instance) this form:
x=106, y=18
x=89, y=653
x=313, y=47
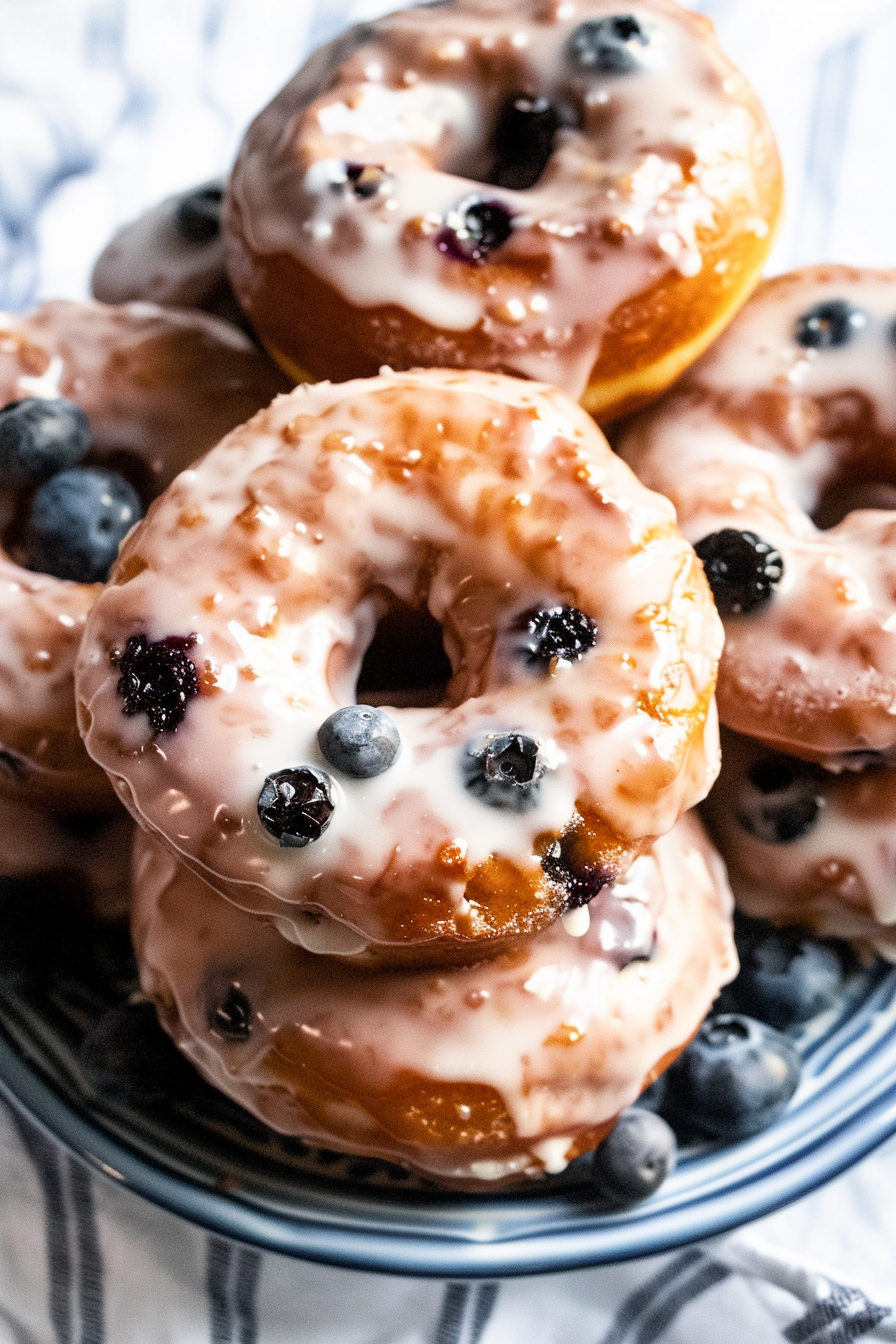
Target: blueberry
x=786, y=977
x=741, y=569
x=635, y=1158
x=366, y=179
x=474, y=230
x=157, y=679
x=829, y=324
x=296, y=805
x=523, y=141
x=40, y=436
x=580, y=882
x=230, y=1014
x=360, y=741
x=77, y=522
x=610, y=46
x=734, y=1079
x=198, y=214
x=781, y=800
x=504, y=769
x=126, y=1055
x=558, y=632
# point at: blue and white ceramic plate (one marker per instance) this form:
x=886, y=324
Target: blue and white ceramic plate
x=195, y=1153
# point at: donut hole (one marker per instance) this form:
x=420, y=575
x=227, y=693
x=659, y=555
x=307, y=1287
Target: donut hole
x=405, y=663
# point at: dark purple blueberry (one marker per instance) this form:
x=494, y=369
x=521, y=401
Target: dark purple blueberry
x=580, y=882
x=610, y=46
x=734, y=1079
x=474, y=230
x=635, y=1158
x=77, y=522
x=230, y=1014
x=296, y=806
x=741, y=569
x=781, y=800
x=198, y=214
x=157, y=679
x=523, y=141
x=360, y=741
x=558, y=632
x=504, y=770
x=126, y=1055
x=830, y=324
x=40, y=436
x=786, y=977
x=366, y=179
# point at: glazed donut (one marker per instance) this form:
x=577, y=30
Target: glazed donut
x=806, y=846
x=468, y=1073
x=159, y=387
x=779, y=452
x=574, y=723
x=172, y=255
x=565, y=192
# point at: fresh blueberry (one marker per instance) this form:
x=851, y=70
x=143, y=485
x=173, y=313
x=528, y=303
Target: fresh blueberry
x=366, y=179
x=126, y=1055
x=77, y=522
x=558, y=632
x=157, y=679
x=230, y=1014
x=524, y=141
x=40, y=436
x=360, y=741
x=504, y=769
x=610, y=46
x=781, y=800
x=786, y=977
x=296, y=806
x=734, y=1079
x=198, y=214
x=635, y=1158
x=741, y=569
x=829, y=324
x=474, y=230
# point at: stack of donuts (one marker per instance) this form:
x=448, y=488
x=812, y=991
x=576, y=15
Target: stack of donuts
x=409, y=682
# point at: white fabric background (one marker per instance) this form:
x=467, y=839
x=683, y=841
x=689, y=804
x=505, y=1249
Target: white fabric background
x=105, y=107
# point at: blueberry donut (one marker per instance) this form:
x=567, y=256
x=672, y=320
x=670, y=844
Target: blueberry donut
x=577, y=193
x=407, y=661
x=172, y=255
x=779, y=452
x=99, y=408
x=473, y=1074
x=806, y=846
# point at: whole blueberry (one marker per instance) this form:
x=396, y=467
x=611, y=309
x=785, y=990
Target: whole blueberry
x=781, y=800
x=360, y=741
x=734, y=1079
x=609, y=46
x=40, y=436
x=558, y=632
x=296, y=806
x=158, y=678
x=523, y=141
x=474, y=230
x=786, y=977
x=78, y=520
x=504, y=770
x=198, y=214
x=830, y=324
x=741, y=569
x=635, y=1157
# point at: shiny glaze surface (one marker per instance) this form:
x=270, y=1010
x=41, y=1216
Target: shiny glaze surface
x=476, y=498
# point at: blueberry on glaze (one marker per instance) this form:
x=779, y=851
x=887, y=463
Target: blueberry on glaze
x=524, y=141
x=610, y=46
x=734, y=1079
x=360, y=741
x=365, y=179
x=474, y=230
x=77, y=522
x=504, y=769
x=635, y=1158
x=580, y=882
x=782, y=801
x=157, y=679
x=296, y=806
x=230, y=1014
x=197, y=215
x=786, y=977
x=741, y=569
x=40, y=436
x=558, y=632
x=829, y=324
